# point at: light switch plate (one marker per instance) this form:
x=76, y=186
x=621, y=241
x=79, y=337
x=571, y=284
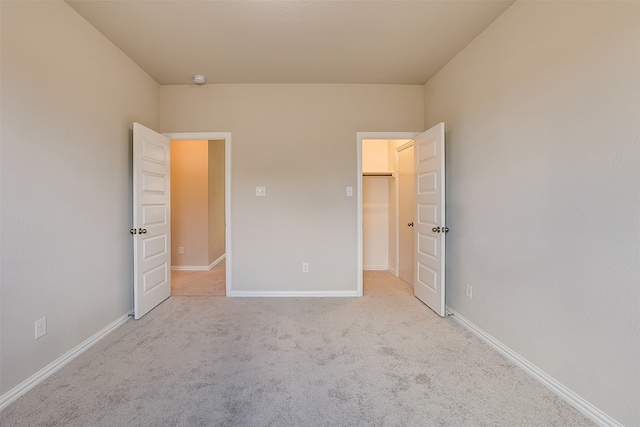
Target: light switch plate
x=261, y=191
x=349, y=191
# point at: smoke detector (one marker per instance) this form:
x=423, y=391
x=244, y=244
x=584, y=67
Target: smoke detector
x=199, y=79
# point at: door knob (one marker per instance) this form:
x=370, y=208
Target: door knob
x=142, y=230
x=133, y=231
x=410, y=224
x=445, y=229
x=436, y=229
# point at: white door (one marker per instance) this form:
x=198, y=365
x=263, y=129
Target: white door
x=151, y=219
x=406, y=209
x=430, y=227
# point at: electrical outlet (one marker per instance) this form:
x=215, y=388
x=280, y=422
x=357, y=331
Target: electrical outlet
x=41, y=327
x=180, y=250
x=305, y=267
x=469, y=291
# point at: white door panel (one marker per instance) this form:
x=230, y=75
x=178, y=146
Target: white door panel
x=429, y=223
x=406, y=204
x=152, y=219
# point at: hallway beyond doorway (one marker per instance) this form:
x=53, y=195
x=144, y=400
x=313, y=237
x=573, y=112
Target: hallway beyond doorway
x=210, y=283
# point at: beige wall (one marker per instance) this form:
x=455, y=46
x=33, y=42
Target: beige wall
x=190, y=203
x=299, y=141
x=216, y=201
x=375, y=155
x=542, y=115
x=69, y=99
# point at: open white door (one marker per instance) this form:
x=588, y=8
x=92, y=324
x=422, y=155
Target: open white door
x=405, y=180
x=430, y=225
x=152, y=219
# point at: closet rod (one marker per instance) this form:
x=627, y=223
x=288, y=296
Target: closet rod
x=377, y=173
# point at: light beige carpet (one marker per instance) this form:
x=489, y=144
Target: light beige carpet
x=199, y=283
x=381, y=360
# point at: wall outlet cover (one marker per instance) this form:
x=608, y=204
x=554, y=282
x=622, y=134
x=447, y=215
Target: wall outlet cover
x=41, y=327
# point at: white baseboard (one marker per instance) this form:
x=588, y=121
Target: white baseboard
x=19, y=390
x=375, y=267
x=218, y=261
x=572, y=398
x=198, y=267
x=190, y=267
x=321, y=294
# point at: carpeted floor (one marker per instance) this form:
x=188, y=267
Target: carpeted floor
x=381, y=360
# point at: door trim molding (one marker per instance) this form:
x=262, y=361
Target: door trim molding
x=226, y=136
x=361, y=136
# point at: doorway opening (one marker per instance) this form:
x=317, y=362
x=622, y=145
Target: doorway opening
x=200, y=212
x=428, y=225
x=379, y=212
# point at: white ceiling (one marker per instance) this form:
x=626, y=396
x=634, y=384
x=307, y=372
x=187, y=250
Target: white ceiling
x=321, y=41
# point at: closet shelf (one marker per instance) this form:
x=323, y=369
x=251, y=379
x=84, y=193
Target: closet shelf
x=378, y=174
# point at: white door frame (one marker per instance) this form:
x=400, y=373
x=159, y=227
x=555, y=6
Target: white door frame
x=360, y=136
x=226, y=136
